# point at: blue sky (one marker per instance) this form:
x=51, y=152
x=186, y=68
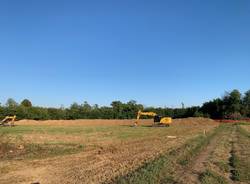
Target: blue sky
x=157, y=52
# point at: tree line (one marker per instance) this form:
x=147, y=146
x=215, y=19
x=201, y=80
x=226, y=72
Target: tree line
x=233, y=105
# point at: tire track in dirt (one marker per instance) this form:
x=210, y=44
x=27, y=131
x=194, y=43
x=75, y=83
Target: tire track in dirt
x=220, y=158
x=200, y=163
x=191, y=174
x=231, y=168
x=239, y=160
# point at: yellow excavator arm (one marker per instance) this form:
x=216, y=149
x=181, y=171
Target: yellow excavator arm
x=140, y=113
x=10, y=119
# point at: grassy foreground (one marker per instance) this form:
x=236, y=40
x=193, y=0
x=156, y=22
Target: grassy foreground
x=164, y=168
x=41, y=141
x=240, y=160
x=122, y=132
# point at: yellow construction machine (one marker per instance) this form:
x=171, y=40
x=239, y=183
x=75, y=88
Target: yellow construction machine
x=8, y=119
x=158, y=120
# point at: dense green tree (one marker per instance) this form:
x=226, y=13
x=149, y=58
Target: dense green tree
x=213, y=109
x=106, y=113
x=26, y=103
x=55, y=113
x=232, y=104
x=11, y=103
x=246, y=103
x=117, y=109
x=74, y=111
x=2, y=112
x=86, y=106
x=86, y=111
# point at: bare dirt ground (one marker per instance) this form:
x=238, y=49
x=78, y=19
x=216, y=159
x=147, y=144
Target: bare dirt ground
x=107, y=122
x=107, y=159
x=83, y=122
x=246, y=127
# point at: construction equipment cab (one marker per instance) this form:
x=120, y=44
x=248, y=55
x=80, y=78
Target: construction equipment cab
x=8, y=119
x=158, y=120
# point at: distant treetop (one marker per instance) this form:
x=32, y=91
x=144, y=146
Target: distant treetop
x=26, y=103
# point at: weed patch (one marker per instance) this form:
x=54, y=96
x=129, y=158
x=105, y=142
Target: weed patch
x=22, y=150
x=240, y=156
x=209, y=177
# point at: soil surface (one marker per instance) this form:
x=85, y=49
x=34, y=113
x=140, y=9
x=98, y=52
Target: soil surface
x=83, y=122
x=105, y=161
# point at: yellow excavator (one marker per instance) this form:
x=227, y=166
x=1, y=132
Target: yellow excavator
x=158, y=120
x=8, y=119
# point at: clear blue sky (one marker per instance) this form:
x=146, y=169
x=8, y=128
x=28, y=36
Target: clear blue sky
x=157, y=52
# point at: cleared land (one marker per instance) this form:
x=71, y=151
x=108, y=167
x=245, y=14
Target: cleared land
x=111, y=151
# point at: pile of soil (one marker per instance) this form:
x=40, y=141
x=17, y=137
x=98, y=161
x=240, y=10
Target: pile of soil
x=108, y=122
x=84, y=122
x=194, y=121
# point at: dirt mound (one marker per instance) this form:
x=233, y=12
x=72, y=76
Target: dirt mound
x=84, y=122
x=26, y=121
x=108, y=122
x=194, y=121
